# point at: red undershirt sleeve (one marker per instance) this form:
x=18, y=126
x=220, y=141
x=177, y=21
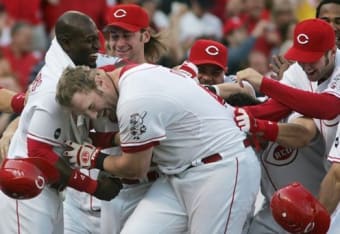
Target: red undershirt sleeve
x=41, y=150
x=314, y=105
x=270, y=110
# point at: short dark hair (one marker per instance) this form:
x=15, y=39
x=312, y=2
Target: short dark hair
x=323, y=2
x=242, y=99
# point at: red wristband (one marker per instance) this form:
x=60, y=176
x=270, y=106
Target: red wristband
x=82, y=182
x=269, y=129
x=18, y=102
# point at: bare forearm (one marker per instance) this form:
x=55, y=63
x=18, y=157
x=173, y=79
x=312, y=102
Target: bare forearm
x=329, y=194
x=297, y=134
x=5, y=100
x=126, y=166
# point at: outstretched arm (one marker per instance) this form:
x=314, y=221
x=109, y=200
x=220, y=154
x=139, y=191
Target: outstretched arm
x=314, y=105
x=11, y=101
x=329, y=194
x=296, y=134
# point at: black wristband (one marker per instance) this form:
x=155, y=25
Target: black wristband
x=211, y=88
x=100, y=160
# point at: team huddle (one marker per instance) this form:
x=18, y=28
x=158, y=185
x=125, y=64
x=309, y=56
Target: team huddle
x=118, y=144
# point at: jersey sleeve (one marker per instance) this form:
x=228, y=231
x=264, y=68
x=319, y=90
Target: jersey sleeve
x=334, y=154
x=334, y=85
x=142, y=123
x=47, y=123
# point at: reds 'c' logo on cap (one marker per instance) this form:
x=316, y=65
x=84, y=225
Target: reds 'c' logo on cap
x=40, y=182
x=120, y=13
x=212, y=50
x=302, y=38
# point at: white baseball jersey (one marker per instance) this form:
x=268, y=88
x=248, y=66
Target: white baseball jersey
x=184, y=123
x=144, y=118
x=297, y=78
x=334, y=157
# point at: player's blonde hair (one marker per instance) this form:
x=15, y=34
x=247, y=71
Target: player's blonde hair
x=74, y=80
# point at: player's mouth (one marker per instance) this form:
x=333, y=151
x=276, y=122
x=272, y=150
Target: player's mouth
x=93, y=56
x=121, y=52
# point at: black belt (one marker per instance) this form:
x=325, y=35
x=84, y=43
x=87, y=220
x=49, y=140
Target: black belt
x=150, y=177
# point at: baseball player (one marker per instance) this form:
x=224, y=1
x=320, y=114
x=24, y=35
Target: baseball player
x=210, y=57
x=315, y=71
x=128, y=36
x=44, y=126
x=167, y=126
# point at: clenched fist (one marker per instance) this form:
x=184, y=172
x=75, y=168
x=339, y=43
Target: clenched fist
x=108, y=188
x=250, y=75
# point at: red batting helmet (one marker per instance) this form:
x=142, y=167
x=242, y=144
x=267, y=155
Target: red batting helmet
x=23, y=178
x=298, y=211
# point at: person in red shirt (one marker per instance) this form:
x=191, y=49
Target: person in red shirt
x=19, y=53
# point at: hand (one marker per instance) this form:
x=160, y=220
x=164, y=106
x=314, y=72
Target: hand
x=247, y=123
x=108, y=188
x=83, y=156
x=279, y=66
x=250, y=75
x=4, y=145
x=243, y=119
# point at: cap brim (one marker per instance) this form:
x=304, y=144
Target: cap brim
x=303, y=56
x=127, y=27
x=205, y=61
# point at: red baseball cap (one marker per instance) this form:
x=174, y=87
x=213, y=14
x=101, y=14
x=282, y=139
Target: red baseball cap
x=208, y=52
x=231, y=25
x=130, y=17
x=312, y=38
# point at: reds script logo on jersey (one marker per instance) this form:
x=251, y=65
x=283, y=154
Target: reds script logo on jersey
x=278, y=155
x=137, y=126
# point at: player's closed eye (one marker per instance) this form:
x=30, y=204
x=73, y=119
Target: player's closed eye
x=336, y=20
x=116, y=36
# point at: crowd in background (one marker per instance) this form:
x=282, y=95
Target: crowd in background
x=252, y=30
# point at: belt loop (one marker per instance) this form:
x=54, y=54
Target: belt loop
x=196, y=163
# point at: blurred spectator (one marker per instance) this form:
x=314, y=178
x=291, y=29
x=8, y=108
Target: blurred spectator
x=52, y=9
x=239, y=42
x=7, y=79
x=283, y=16
x=158, y=20
x=5, y=27
x=30, y=12
x=255, y=11
x=19, y=53
x=197, y=22
x=260, y=62
x=233, y=8
x=218, y=8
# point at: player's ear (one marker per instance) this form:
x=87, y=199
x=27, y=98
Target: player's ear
x=146, y=35
x=99, y=80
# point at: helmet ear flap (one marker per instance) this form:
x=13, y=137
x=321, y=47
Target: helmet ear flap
x=296, y=210
x=20, y=179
